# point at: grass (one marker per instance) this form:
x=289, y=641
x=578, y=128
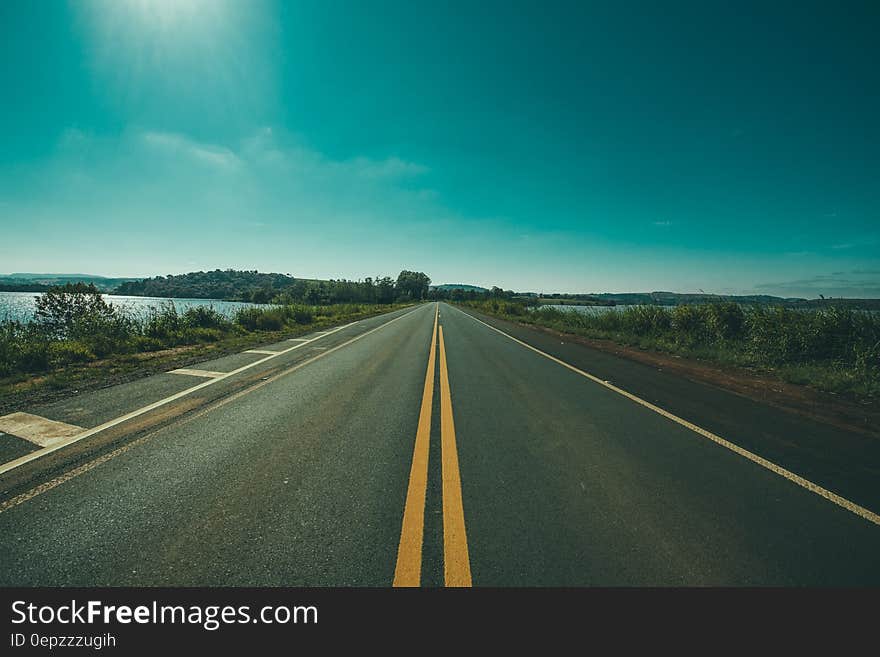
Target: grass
x=832, y=349
x=100, y=347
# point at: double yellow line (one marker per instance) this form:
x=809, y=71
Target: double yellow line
x=456, y=562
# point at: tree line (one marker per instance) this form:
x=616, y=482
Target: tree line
x=257, y=287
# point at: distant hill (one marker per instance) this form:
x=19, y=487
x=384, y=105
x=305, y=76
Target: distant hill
x=30, y=282
x=217, y=284
x=678, y=298
x=21, y=287
x=459, y=286
x=855, y=304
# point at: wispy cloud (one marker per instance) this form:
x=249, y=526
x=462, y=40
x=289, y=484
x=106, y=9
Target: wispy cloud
x=259, y=197
x=177, y=144
x=392, y=167
x=857, y=241
x=847, y=284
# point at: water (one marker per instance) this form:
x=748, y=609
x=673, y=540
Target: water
x=20, y=305
x=598, y=310
x=588, y=310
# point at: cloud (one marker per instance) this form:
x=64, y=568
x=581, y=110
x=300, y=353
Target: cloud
x=73, y=139
x=287, y=153
x=277, y=165
x=857, y=241
x=835, y=284
x=177, y=144
x=152, y=200
x=392, y=167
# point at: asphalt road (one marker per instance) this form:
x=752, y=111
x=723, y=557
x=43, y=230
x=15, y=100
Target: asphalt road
x=425, y=447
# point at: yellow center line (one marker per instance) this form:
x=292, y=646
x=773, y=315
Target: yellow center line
x=456, y=562
x=408, y=571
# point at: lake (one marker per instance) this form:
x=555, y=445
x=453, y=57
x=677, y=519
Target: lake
x=20, y=305
x=589, y=310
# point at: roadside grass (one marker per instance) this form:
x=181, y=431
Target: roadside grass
x=832, y=349
x=91, y=353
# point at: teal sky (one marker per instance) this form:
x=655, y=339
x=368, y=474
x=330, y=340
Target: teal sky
x=581, y=147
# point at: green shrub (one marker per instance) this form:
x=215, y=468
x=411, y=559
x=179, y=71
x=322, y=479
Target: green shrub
x=70, y=351
x=725, y=321
x=247, y=318
x=204, y=317
x=33, y=356
x=9, y=346
x=71, y=310
x=646, y=320
x=302, y=315
x=261, y=319
x=689, y=325
x=200, y=334
x=163, y=323
x=146, y=343
x=838, y=347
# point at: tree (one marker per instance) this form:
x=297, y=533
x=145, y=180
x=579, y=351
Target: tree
x=263, y=295
x=384, y=290
x=313, y=295
x=412, y=285
x=72, y=310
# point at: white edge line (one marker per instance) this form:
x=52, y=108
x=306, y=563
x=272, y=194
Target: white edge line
x=834, y=498
x=33, y=456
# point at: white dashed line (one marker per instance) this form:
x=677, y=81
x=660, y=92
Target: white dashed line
x=208, y=374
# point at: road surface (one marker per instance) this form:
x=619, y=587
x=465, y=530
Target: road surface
x=432, y=447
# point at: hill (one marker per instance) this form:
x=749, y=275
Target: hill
x=217, y=284
x=678, y=298
x=30, y=282
x=459, y=286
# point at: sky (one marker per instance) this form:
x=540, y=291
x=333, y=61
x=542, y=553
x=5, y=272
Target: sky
x=558, y=147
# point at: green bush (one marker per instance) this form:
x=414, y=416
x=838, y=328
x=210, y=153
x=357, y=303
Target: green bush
x=163, y=323
x=33, y=356
x=76, y=326
x=200, y=334
x=689, y=325
x=261, y=319
x=72, y=310
x=146, y=343
x=247, y=318
x=9, y=346
x=204, y=317
x=70, y=351
x=839, y=348
x=302, y=315
x=725, y=321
